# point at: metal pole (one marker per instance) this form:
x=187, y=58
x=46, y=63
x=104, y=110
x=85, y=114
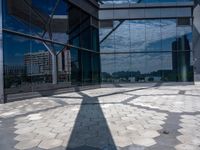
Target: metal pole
x=54, y=63
x=1, y=58
x=54, y=69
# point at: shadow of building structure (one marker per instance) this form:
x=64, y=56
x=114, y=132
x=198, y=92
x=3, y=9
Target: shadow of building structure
x=90, y=131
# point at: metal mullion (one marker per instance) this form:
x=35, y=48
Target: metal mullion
x=46, y=40
x=2, y=98
x=50, y=19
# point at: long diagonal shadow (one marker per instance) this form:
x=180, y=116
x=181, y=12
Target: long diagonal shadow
x=90, y=131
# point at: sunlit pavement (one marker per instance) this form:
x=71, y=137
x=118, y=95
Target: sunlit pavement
x=121, y=117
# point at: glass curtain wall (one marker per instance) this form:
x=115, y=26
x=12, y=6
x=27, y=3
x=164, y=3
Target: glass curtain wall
x=151, y=50
x=45, y=46
x=85, y=64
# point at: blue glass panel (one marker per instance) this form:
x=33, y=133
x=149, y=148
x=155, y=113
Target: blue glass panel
x=122, y=37
x=138, y=36
x=153, y=35
x=168, y=29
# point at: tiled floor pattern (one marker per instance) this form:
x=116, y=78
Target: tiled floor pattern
x=135, y=117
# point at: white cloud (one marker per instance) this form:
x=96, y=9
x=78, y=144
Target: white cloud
x=135, y=35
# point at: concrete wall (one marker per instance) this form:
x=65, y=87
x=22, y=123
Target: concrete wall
x=196, y=41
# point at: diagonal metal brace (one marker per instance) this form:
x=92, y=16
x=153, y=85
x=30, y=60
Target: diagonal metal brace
x=115, y=28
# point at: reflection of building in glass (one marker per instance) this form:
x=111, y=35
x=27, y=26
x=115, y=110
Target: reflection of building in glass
x=14, y=70
x=181, y=57
x=14, y=75
x=38, y=63
x=64, y=65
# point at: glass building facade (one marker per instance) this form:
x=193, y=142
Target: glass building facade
x=54, y=44
x=146, y=50
x=48, y=44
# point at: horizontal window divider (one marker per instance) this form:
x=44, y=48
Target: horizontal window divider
x=146, y=52
x=46, y=40
x=149, y=18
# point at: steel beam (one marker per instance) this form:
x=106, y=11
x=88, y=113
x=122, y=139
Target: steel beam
x=1, y=58
x=145, y=11
x=111, y=32
x=54, y=63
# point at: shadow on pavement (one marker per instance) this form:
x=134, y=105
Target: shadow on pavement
x=90, y=131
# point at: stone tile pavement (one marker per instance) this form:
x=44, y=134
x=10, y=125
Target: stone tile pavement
x=125, y=117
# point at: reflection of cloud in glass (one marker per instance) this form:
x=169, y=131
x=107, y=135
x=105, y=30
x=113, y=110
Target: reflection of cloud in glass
x=141, y=35
x=138, y=34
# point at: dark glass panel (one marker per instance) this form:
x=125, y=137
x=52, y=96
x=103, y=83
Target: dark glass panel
x=95, y=39
x=86, y=39
x=82, y=34
x=17, y=77
x=184, y=37
x=86, y=67
x=182, y=66
x=168, y=74
x=76, y=75
x=95, y=68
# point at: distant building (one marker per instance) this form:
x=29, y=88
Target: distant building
x=64, y=65
x=38, y=63
x=14, y=70
x=64, y=61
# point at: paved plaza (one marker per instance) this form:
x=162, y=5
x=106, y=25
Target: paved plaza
x=121, y=117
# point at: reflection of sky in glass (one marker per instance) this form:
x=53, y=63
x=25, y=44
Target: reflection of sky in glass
x=141, y=35
x=17, y=46
x=47, y=6
x=11, y=44
x=43, y=6
x=155, y=36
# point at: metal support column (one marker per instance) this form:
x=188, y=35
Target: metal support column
x=54, y=63
x=1, y=58
x=54, y=68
